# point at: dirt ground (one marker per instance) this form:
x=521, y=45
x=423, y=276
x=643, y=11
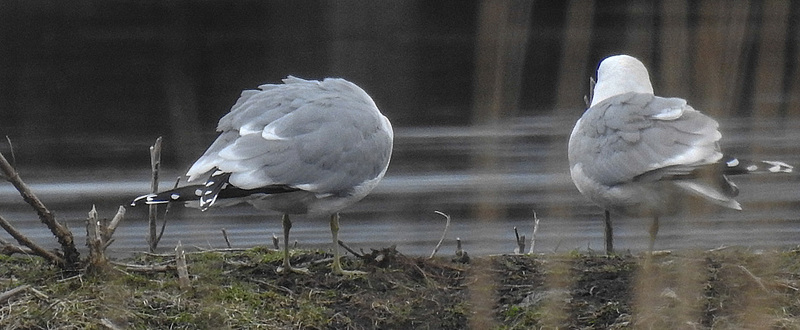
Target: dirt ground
x=723, y=289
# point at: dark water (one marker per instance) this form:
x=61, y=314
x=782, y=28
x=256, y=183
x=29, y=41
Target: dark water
x=488, y=179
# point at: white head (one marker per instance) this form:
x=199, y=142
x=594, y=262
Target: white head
x=620, y=74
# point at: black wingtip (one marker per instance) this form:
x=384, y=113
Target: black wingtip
x=743, y=166
x=139, y=199
x=182, y=194
x=211, y=190
x=217, y=187
x=774, y=166
x=149, y=199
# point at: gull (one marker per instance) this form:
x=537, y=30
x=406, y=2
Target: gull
x=301, y=147
x=640, y=155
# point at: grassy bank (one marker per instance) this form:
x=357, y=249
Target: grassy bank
x=722, y=289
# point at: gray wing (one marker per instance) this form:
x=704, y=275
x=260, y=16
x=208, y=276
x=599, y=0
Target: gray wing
x=325, y=137
x=636, y=135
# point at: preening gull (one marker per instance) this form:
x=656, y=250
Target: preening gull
x=301, y=147
x=639, y=154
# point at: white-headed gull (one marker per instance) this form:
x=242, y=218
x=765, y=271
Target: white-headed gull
x=301, y=147
x=639, y=154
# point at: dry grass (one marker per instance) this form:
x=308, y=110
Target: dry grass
x=725, y=289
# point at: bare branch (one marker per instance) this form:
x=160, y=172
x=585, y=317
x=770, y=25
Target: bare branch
x=62, y=233
x=11, y=150
x=25, y=241
x=155, y=166
x=446, y=226
x=112, y=226
x=166, y=211
x=99, y=234
x=520, y=242
x=94, y=239
x=275, y=242
x=225, y=235
x=8, y=249
x=535, y=230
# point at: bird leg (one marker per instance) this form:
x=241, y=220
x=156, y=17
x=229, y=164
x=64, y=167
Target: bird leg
x=337, y=265
x=653, y=233
x=609, y=234
x=287, y=225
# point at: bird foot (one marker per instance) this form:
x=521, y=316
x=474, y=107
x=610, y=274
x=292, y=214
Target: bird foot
x=336, y=268
x=297, y=270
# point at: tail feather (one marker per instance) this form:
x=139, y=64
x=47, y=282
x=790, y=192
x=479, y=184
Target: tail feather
x=711, y=181
x=182, y=194
x=211, y=190
x=194, y=193
x=735, y=166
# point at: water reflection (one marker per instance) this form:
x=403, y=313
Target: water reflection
x=444, y=169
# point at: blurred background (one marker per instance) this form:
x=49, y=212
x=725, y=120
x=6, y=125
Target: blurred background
x=482, y=95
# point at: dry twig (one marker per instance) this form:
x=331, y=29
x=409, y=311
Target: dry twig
x=275, y=242
x=71, y=257
x=183, y=271
x=109, y=230
x=520, y=242
x=755, y=278
x=535, y=230
x=200, y=250
x=225, y=235
x=145, y=268
x=35, y=248
x=276, y=287
x=99, y=233
x=8, y=249
x=166, y=211
x=155, y=166
x=13, y=292
x=94, y=240
x=444, y=233
x=11, y=150
x=349, y=249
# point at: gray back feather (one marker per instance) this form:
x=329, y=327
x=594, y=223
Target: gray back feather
x=631, y=134
x=323, y=136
